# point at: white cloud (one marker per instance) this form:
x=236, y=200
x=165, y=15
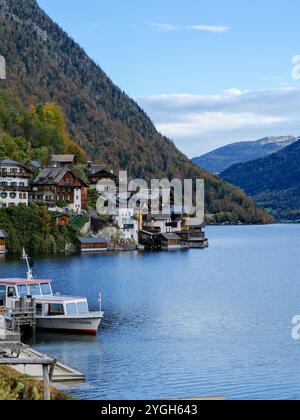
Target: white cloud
x=210, y=28
x=199, y=123
x=167, y=27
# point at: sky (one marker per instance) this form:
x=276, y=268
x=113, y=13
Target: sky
x=208, y=73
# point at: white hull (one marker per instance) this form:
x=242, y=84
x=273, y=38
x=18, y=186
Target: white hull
x=86, y=324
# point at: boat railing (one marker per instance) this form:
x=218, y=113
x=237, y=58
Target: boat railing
x=22, y=314
x=20, y=311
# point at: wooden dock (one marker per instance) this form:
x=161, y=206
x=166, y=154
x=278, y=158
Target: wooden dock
x=11, y=346
x=61, y=375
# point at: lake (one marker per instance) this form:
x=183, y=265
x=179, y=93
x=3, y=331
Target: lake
x=187, y=323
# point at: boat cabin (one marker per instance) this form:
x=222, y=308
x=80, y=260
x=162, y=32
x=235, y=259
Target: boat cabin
x=47, y=304
x=61, y=306
x=13, y=289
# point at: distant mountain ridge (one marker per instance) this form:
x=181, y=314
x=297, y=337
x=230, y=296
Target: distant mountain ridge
x=273, y=181
x=221, y=159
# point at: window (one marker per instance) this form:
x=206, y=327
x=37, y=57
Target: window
x=22, y=289
x=2, y=295
x=82, y=308
x=71, y=309
x=56, y=309
x=34, y=290
x=11, y=292
x=39, y=309
x=46, y=289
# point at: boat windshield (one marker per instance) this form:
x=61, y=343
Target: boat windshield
x=46, y=289
x=82, y=308
x=22, y=290
x=34, y=290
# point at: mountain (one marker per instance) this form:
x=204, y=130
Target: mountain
x=219, y=160
x=273, y=181
x=45, y=65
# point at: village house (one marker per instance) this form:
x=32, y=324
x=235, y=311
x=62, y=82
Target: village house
x=62, y=220
x=96, y=173
x=93, y=244
x=128, y=224
x=3, y=236
x=162, y=223
x=14, y=183
x=63, y=160
x=60, y=187
x=192, y=233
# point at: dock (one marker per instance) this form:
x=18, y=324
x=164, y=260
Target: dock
x=27, y=361
x=62, y=374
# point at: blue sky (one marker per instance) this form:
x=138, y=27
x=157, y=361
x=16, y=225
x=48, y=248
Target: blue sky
x=207, y=72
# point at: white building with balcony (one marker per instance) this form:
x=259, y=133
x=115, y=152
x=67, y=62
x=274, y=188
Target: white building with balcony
x=128, y=224
x=14, y=183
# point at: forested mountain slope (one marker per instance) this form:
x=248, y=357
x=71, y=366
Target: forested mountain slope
x=45, y=65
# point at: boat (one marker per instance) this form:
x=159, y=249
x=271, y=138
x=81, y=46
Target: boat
x=52, y=312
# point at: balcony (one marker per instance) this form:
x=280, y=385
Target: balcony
x=5, y=174
x=14, y=188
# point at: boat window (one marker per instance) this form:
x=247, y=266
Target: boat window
x=46, y=289
x=11, y=292
x=34, y=290
x=2, y=295
x=56, y=309
x=39, y=309
x=71, y=309
x=82, y=308
x=22, y=289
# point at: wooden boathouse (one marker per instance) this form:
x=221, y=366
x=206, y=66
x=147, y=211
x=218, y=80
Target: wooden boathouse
x=170, y=241
x=92, y=244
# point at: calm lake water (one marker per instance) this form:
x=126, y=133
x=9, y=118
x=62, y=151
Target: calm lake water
x=189, y=323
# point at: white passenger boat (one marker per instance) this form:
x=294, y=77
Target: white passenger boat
x=53, y=311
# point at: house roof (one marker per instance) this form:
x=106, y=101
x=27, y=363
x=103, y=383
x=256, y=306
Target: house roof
x=93, y=170
x=8, y=162
x=53, y=175
x=13, y=162
x=194, y=222
x=63, y=158
x=57, y=216
x=36, y=164
x=148, y=233
x=92, y=240
x=170, y=236
x=3, y=234
x=158, y=217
